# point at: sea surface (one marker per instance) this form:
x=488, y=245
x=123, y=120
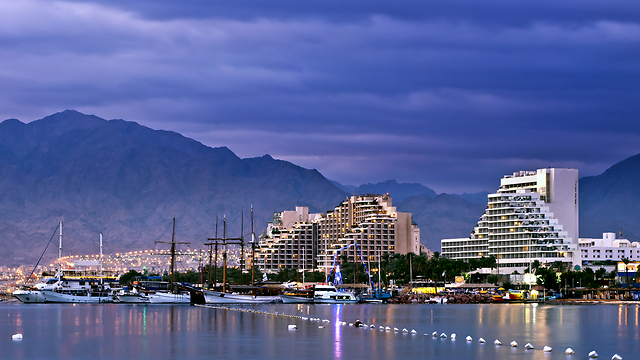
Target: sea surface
x=116, y=331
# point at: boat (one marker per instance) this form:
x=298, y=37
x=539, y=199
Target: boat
x=328, y=294
x=297, y=296
x=218, y=297
x=80, y=284
x=376, y=297
x=34, y=294
x=132, y=296
x=515, y=296
x=160, y=297
x=247, y=294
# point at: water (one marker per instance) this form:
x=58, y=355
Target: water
x=115, y=331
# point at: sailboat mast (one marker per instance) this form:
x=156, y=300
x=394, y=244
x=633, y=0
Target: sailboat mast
x=241, y=244
x=173, y=254
x=101, y=281
x=224, y=254
x=215, y=266
x=253, y=251
x=379, y=270
x=60, y=252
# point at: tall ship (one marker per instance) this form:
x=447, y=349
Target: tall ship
x=247, y=295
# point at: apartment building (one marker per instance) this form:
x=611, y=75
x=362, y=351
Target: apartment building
x=303, y=241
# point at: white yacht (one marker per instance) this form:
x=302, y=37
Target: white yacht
x=83, y=283
x=328, y=294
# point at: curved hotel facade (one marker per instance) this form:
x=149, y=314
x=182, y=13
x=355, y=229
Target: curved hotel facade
x=532, y=216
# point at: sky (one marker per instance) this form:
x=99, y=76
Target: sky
x=450, y=94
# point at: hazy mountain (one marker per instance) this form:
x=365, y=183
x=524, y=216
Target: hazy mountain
x=130, y=181
x=476, y=198
x=398, y=191
x=610, y=202
x=349, y=189
x=442, y=216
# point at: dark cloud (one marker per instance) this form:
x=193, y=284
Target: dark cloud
x=449, y=94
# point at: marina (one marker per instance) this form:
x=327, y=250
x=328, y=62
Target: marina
x=110, y=331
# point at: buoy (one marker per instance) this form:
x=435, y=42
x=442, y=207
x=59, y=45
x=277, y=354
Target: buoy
x=292, y=327
x=453, y=336
x=413, y=331
x=528, y=346
x=481, y=340
x=16, y=337
x=593, y=354
x=514, y=344
x=434, y=334
x=569, y=351
x=497, y=342
x=616, y=357
x=443, y=336
x=469, y=338
x=547, y=349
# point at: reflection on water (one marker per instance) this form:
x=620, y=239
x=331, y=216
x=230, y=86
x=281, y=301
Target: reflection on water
x=111, y=331
x=337, y=325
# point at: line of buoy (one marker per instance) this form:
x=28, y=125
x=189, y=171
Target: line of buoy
x=528, y=346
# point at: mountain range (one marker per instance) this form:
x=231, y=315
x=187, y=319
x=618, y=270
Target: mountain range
x=130, y=181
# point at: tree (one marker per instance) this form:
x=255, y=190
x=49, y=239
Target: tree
x=548, y=278
x=625, y=260
x=129, y=276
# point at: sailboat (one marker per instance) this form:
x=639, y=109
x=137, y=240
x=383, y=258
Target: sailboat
x=174, y=295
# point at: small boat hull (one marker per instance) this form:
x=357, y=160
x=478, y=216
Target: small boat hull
x=169, y=298
x=216, y=297
x=292, y=299
x=29, y=296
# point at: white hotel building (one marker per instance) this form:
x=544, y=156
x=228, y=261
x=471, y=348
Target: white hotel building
x=532, y=216
x=596, y=251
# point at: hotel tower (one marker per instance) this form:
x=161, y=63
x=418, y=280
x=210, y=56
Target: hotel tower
x=532, y=216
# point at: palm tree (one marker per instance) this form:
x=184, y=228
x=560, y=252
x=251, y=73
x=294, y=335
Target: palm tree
x=625, y=260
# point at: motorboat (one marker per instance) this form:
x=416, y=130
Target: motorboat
x=132, y=296
x=328, y=294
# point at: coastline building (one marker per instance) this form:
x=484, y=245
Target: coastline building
x=595, y=252
x=532, y=216
x=305, y=241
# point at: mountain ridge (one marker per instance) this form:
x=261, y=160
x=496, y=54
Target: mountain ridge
x=130, y=180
